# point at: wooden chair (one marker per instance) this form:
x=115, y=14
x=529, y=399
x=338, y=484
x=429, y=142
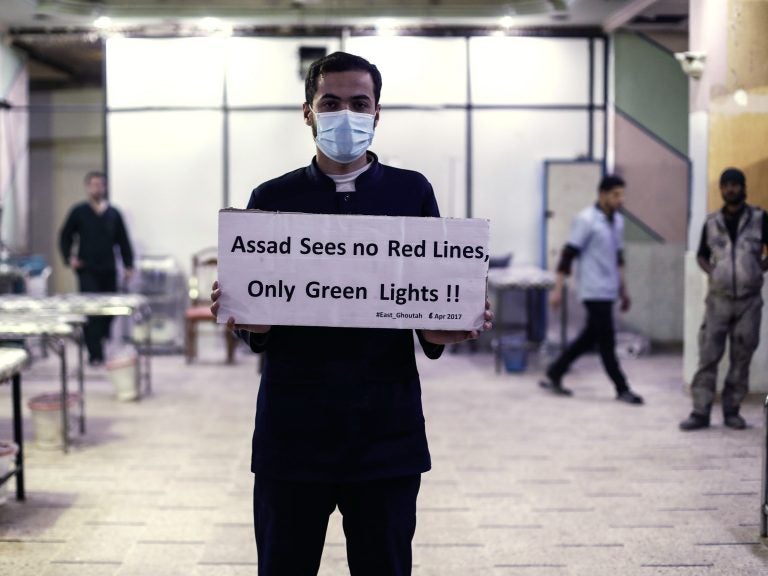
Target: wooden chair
x=202, y=275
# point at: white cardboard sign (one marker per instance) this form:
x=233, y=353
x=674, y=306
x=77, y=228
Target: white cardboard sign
x=354, y=271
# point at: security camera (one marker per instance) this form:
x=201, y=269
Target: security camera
x=692, y=63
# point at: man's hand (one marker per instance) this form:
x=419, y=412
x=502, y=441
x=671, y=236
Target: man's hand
x=555, y=298
x=75, y=263
x=625, y=302
x=556, y=294
x=441, y=337
x=231, y=324
x=127, y=274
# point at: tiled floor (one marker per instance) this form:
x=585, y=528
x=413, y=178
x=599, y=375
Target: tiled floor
x=523, y=483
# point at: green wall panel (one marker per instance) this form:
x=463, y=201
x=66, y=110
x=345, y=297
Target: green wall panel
x=10, y=65
x=633, y=232
x=652, y=89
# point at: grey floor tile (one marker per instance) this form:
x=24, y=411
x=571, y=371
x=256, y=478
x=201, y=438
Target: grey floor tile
x=523, y=483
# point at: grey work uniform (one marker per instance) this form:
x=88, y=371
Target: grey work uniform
x=734, y=247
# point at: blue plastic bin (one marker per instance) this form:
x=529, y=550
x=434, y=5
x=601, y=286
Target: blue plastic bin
x=514, y=352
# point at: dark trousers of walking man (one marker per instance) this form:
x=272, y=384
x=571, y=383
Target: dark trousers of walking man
x=96, y=330
x=598, y=331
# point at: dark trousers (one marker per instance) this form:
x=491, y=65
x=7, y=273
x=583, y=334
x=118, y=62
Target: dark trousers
x=379, y=521
x=599, y=330
x=96, y=329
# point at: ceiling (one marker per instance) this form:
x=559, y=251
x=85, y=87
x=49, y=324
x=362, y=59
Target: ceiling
x=64, y=48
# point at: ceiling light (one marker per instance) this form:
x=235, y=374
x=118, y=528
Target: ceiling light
x=741, y=97
x=102, y=22
x=215, y=26
x=386, y=27
x=209, y=23
x=506, y=21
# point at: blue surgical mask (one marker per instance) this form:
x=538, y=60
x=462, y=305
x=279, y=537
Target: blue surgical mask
x=344, y=136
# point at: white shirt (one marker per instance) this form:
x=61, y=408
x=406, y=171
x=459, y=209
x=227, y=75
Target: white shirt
x=346, y=182
x=599, y=240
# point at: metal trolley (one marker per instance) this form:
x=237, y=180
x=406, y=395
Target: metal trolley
x=162, y=282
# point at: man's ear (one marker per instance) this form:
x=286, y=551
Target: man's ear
x=307, y=114
x=376, y=116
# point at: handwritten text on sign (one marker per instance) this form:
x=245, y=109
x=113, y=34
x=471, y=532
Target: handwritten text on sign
x=363, y=271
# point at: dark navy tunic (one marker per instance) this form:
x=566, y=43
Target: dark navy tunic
x=341, y=404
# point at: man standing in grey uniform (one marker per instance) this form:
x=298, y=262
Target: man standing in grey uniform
x=731, y=252
x=597, y=240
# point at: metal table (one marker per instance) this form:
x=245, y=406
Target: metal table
x=11, y=362
x=54, y=330
x=91, y=304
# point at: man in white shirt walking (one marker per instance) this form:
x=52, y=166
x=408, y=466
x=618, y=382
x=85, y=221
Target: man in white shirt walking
x=596, y=239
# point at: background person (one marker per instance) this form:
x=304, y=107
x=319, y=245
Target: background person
x=597, y=240
x=97, y=228
x=731, y=253
x=339, y=420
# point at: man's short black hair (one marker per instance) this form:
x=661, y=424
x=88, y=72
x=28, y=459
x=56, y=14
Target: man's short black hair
x=609, y=182
x=340, y=62
x=734, y=176
x=94, y=174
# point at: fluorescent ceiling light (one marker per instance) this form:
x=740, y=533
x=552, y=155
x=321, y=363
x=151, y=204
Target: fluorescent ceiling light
x=102, y=22
x=386, y=27
x=215, y=26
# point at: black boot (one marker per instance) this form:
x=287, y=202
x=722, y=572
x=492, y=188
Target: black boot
x=733, y=420
x=555, y=385
x=694, y=422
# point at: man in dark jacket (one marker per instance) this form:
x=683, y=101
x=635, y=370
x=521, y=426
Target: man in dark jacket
x=97, y=228
x=731, y=252
x=339, y=420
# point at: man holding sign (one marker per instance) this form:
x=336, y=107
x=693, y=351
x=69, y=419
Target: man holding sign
x=339, y=420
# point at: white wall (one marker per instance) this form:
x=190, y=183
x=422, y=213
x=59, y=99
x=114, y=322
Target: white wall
x=510, y=150
x=166, y=126
x=421, y=73
x=654, y=269
x=170, y=185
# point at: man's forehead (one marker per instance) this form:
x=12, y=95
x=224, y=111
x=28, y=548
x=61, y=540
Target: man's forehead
x=358, y=82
